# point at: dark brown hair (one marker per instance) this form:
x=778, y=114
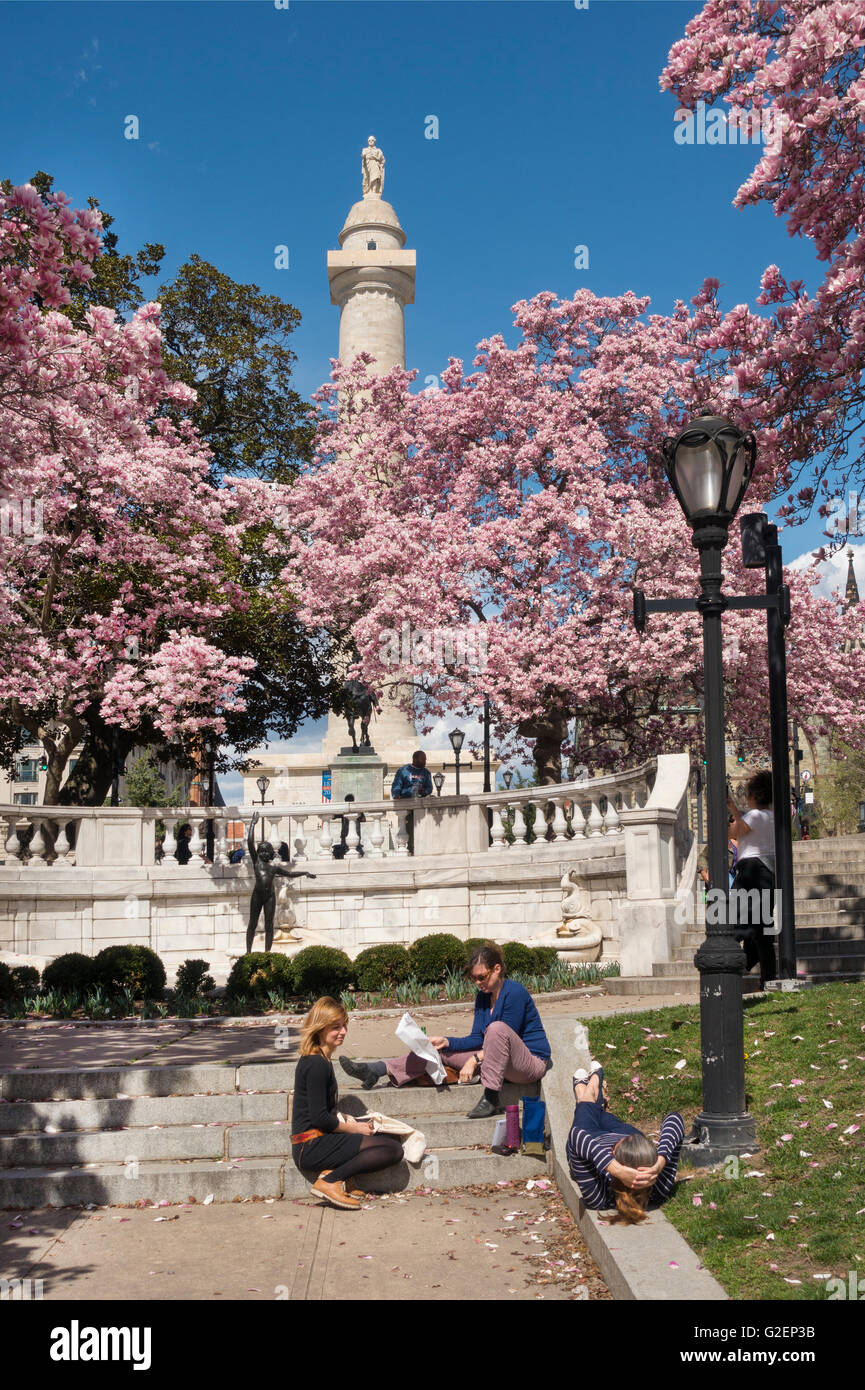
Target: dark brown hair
x=760, y=788
x=488, y=955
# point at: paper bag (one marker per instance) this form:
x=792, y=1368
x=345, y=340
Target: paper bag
x=417, y=1041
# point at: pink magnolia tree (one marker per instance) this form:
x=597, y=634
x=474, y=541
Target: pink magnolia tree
x=113, y=566
x=799, y=64
x=518, y=506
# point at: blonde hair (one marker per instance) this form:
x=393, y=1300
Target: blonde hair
x=324, y=1013
x=634, y=1151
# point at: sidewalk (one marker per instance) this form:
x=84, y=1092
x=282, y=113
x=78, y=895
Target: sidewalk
x=405, y=1246
x=64, y=1045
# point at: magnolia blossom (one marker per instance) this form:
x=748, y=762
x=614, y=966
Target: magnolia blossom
x=113, y=563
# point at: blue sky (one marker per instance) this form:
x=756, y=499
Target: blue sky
x=552, y=133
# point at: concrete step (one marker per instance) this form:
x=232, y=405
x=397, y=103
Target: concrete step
x=687, y=985
x=141, y=1111
x=674, y=968
x=98, y=1083
x=112, y=1184
x=181, y=1142
x=805, y=950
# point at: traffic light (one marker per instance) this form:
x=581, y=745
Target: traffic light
x=740, y=756
x=43, y=763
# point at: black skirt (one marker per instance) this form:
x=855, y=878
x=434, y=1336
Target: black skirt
x=329, y=1151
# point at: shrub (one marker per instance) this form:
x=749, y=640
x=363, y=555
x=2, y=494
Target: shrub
x=193, y=979
x=322, y=970
x=433, y=956
x=519, y=958
x=472, y=945
x=7, y=982
x=545, y=958
x=26, y=978
x=69, y=972
x=131, y=967
x=380, y=967
x=259, y=972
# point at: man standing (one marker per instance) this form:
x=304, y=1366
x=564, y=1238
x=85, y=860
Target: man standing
x=412, y=780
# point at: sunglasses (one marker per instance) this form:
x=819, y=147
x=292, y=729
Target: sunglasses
x=479, y=979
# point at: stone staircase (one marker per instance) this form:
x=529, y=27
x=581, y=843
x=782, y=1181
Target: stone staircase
x=119, y=1135
x=829, y=878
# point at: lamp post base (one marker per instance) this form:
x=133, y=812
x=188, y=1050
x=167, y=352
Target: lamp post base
x=719, y=1138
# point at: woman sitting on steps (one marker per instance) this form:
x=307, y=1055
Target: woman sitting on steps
x=507, y=1041
x=614, y=1164
x=338, y=1149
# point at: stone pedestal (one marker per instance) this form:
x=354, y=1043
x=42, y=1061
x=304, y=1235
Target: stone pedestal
x=359, y=774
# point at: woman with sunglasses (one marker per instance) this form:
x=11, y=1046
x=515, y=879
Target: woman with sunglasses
x=507, y=1041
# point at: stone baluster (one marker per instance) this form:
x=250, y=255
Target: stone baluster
x=13, y=844
x=302, y=841
x=614, y=825
x=37, y=845
x=352, y=839
x=169, y=844
x=560, y=824
x=521, y=828
x=497, y=830
x=197, y=846
x=62, y=848
x=578, y=821
x=401, y=832
x=275, y=838
x=220, y=841
x=376, y=835
x=595, y=822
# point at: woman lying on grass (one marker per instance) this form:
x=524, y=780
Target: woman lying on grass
x=614, y=1164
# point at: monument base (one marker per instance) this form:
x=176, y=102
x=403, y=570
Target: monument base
x=360, y=775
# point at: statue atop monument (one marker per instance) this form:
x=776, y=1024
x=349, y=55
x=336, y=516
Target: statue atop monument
x=372, y=167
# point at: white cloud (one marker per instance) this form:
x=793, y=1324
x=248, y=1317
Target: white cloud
x=833, y=570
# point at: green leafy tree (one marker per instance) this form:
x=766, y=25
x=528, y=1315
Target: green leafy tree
x=145, y=785
x=838, y=792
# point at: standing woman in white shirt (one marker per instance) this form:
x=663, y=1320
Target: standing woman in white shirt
x=755, y=869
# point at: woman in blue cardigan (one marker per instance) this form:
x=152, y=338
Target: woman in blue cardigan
x=507, y=1041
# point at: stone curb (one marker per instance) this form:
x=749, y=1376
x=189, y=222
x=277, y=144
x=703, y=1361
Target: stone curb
x=248, y=1020
x=646, y=1262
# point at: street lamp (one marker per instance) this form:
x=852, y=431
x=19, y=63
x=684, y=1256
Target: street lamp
x=507, y=778
x=709, y=466
x=457, y=738
x=439, y=778
x=263, y=783
x=211, y=769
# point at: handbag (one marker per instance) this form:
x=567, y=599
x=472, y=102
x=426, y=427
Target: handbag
x=452, y=1076
x=534, y=1126
x=413, y=1141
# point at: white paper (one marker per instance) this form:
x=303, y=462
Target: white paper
x=417, y=1041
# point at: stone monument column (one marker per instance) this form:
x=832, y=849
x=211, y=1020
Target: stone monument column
x=372, y=279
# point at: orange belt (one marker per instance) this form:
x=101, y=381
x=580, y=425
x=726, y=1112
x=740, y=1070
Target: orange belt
x=307, y=1134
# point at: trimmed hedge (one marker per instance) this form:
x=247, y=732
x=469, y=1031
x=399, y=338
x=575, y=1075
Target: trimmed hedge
x=258, y=973
x=131, y=967
x=7, y=982
x=521, y=959
x=193, y=979
x=380, y=967
x=70, y=972
x=26, y=978
x=433, y=956
x=322, y=970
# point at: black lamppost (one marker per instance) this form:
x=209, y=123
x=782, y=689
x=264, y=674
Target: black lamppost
x=211, y=767
x=438, y=779
x=861, y=826
x=263, y=783
x=507, y=778
x=457, y=738
x=709, y=465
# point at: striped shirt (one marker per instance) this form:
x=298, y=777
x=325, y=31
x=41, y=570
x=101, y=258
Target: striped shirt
x=590, y=1155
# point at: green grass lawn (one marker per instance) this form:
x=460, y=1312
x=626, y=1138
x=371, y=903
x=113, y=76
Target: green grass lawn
x=796, y=1210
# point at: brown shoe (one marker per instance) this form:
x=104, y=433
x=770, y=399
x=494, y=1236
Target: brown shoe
x=335, y=1193
x=353, y=1189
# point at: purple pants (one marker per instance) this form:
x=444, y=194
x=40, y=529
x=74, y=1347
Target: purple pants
x=506, y=1058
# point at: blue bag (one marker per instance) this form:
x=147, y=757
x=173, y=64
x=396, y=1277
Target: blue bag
x=534, y=1126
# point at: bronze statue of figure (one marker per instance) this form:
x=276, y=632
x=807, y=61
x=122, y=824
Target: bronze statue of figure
x=265, y=867
x=358, y=701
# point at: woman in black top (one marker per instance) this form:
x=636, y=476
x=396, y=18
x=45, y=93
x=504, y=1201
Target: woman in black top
x=338, y=1149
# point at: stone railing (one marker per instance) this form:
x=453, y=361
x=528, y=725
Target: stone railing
x=41, y=836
